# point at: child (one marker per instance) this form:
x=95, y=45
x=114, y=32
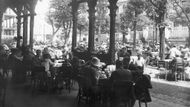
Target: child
x=47, y=63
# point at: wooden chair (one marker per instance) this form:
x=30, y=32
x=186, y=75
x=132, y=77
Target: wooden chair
x=162, y=69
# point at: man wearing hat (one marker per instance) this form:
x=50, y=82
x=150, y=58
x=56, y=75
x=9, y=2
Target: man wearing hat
x=92, y=70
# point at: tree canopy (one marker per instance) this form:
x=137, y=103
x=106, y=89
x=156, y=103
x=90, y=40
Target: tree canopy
x=59, y=17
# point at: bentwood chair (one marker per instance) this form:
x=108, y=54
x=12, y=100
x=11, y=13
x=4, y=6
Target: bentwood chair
x=84, y=89
x=162, y=69
x=179, y=70
x=3, y=84
x=142, y=86
x=123, y=91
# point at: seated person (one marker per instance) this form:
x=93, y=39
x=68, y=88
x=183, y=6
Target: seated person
x=92, y=71
x=187, y=71
x=120, y=73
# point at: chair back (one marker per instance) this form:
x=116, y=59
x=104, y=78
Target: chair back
x=123, y=89
x=142, y=86
x=161, y=64
x=83, y=82
x=179, y=65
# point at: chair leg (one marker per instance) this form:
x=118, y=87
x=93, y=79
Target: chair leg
x=184, y=76
x=146, y=104
x=139, y=103
x=166, y=76
x=175, y=76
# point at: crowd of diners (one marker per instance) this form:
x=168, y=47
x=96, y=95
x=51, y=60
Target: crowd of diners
x=175, y=55
x=21, y=61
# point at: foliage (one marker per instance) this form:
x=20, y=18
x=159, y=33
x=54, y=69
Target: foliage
x=82, y=18
x=134, y=12
x=182, y=13
x=102, y=17
x=156, y=10
x=59, y=17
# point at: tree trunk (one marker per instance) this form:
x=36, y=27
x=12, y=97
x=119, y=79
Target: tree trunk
x=74, y=30
x=134, y=36
x=156, y=33
x=1, y=26
x=162, y=43
x=124, y=38
x=92, y=19
x=189, y=36
x=113, y=8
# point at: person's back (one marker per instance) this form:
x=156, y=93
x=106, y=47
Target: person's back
x=120, y=73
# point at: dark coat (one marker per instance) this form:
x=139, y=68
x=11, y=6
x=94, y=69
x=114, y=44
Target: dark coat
x=92, y=73
x=121, y=74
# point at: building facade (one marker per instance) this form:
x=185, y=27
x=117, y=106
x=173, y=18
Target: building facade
x=9, y=24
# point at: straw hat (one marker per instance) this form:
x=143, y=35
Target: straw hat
x=96, y=62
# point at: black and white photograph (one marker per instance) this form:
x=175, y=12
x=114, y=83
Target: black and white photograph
x=94, y=53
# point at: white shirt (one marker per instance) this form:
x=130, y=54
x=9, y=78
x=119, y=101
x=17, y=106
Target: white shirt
x=140, y=62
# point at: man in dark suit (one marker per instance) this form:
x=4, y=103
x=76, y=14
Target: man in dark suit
x=120, y=73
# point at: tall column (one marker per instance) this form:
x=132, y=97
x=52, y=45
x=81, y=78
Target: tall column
x=31, y=30
x=91, y=11
x=25, y=29
x=1, y=26
x=18, y=31
x=74, y=31
x=113, y=8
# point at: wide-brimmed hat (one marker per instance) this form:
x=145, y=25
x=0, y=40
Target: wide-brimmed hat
x=96, y=62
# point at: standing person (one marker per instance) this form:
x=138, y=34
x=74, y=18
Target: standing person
x=173, y=52
x=140, y=63
x=28, y=55
x=37, y=60
x=18, y=68
x=185, y=51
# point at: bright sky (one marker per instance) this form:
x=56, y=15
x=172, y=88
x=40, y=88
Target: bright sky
x=41, y=26
x=42, y=7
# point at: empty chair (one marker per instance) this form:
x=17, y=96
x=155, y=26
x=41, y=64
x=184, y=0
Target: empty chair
x=162, y=69
x=179, y=71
